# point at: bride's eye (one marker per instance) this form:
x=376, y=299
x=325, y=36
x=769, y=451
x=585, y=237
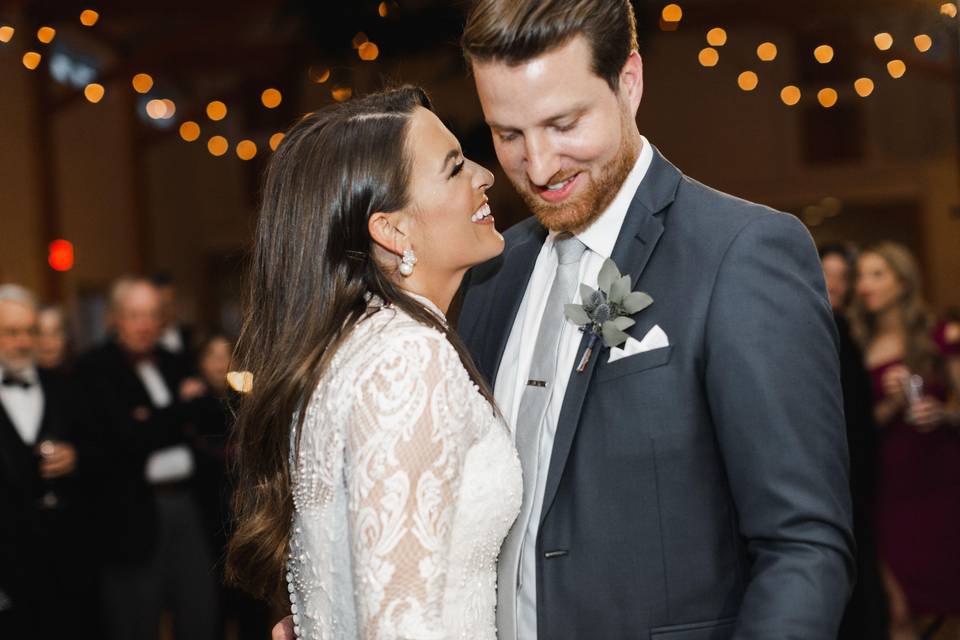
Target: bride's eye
x=457, y=169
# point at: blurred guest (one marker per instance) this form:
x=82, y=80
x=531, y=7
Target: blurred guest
x=213, y=429
x=174, y=336
x=866, y=612
x=42, y=550
x=914, y=370
x=156, y=553
x=52, y=343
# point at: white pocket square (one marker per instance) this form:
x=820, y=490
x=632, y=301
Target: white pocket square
x=655, y=339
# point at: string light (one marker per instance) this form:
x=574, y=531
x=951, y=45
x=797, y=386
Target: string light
x=216, y=110
x=709, y=57
x=767, y=52
x=156, y=109
x=189, y=130
x=896, y=68
x=31, y=60
x=383, y=10
x=368, y=51
x=923, y=42
x=359, y=39
x=89, y=17
x=341, y=93
x=863, y=86
x=246, y=149
x=169, y=108
x=46, y=34
x=6, y=33
x=748, y=81
x=790, y=95
x=217, y=146
x=318, y=75
x=883, y=41
x=823, y=53
x=271, y=98
x=142, y=83
x=672, y=13
x=275, y=140
x=948, y=9
x=240, y=381
x=827, y=97
x=93, y=92
x=716, y=37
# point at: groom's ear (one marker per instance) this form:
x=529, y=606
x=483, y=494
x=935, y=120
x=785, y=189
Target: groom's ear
x=631, y=81
x=385, y=233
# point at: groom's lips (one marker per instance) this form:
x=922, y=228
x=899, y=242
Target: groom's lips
x=560, y=194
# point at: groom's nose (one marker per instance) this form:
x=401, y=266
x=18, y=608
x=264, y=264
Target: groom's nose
x=540, y=161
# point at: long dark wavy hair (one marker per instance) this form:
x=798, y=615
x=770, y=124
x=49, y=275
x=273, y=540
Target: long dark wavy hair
x=311, y=271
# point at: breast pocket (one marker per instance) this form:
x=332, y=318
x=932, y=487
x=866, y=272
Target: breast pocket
x=632, y=364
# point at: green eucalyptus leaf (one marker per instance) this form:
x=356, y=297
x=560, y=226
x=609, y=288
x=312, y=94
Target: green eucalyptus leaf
x=636, y=301
x=609, y=273
x=623, y=322
x=586, y=292
x=620, y=289
x=576, y=314
x=613, y=336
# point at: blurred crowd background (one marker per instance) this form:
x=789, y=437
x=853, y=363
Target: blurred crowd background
x=133, y=137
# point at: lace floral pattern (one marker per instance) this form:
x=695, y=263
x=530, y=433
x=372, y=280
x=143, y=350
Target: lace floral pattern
x=404, y=488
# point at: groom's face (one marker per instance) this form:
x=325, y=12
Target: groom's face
x=564, y=138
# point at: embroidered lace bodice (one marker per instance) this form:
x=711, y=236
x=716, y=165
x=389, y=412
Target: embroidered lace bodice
x=405, y=486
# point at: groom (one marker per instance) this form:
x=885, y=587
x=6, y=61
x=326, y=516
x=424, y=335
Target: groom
x=692, y=483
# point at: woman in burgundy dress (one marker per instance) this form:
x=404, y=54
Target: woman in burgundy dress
x=915, y=369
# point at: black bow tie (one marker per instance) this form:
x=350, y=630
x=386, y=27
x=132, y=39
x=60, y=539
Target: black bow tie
x=10, y=380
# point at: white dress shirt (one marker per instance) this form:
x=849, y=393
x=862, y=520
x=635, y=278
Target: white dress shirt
x=599, y=239
x=24, y=406
x=171, y=340
x=171, y=463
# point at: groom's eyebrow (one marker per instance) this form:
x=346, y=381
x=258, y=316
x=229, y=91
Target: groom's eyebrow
x=572, y=112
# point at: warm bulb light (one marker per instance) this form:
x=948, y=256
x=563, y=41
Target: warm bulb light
x=896, y=68
x=31, y=60
x=275, y=141
x=948, y=9
x=156, y=109
x=217, y=146
x=246, y=149
x=709, y=57
x=790, y=95
x=359, y=39
x=318, y=74
x=89, y=17
x=827, y=97
x=46, y=34
x=271, y=98
x=923, y=42
x=93, y=92
x=368, y=51
x=748, y=81
x=169, y=108
x=863, y=86
x=823, y=53
x=767, y=52
x=883, y=41
x=383, y=9
x=672, y=13
x=189, y=131
x=6, y=33
x=216, y=110
x=342, y=93
x=716, y=37
x=142, y=82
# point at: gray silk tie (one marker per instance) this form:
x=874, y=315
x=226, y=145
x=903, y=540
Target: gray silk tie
x=533, y=407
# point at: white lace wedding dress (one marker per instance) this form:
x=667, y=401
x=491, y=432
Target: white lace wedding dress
x=405, y=486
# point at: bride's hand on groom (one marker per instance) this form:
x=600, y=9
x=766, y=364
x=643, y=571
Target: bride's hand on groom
x=283, y=630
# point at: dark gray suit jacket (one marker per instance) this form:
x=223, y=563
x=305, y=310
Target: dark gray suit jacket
x=698, y=491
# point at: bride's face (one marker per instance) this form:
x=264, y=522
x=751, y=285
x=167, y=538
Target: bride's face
x=451, y=227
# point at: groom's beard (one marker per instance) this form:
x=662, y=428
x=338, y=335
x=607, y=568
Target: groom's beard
x=576, y=214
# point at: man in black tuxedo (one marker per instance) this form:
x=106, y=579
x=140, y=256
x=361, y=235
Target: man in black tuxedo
x=42, y=546
x=688, y=481
x=140, y=398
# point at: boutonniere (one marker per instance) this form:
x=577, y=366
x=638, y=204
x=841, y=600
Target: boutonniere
x=604, y=312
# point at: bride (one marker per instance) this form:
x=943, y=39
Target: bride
x=375, y=474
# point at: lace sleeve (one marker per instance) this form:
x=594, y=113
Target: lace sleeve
x=404, y=459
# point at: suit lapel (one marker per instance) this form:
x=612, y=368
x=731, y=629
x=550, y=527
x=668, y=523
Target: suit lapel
x=507, y=296
x=639, y=235
x=16, y=458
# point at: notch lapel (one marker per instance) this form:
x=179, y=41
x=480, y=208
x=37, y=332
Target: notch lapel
x=639, y=235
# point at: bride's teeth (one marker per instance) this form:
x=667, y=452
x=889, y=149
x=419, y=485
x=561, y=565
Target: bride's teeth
x=481, y=213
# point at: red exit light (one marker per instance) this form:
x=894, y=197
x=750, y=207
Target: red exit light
x=61, y=255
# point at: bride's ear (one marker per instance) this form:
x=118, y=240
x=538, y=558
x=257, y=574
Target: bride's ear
x=386, y=234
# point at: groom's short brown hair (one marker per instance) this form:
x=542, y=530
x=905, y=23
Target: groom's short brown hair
x=516, y=31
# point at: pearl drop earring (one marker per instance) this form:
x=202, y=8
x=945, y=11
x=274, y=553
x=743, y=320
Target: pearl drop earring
x=407, y=262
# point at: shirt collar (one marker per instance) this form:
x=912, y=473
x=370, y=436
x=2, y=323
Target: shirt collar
x=27, y=375
x=601, y=236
